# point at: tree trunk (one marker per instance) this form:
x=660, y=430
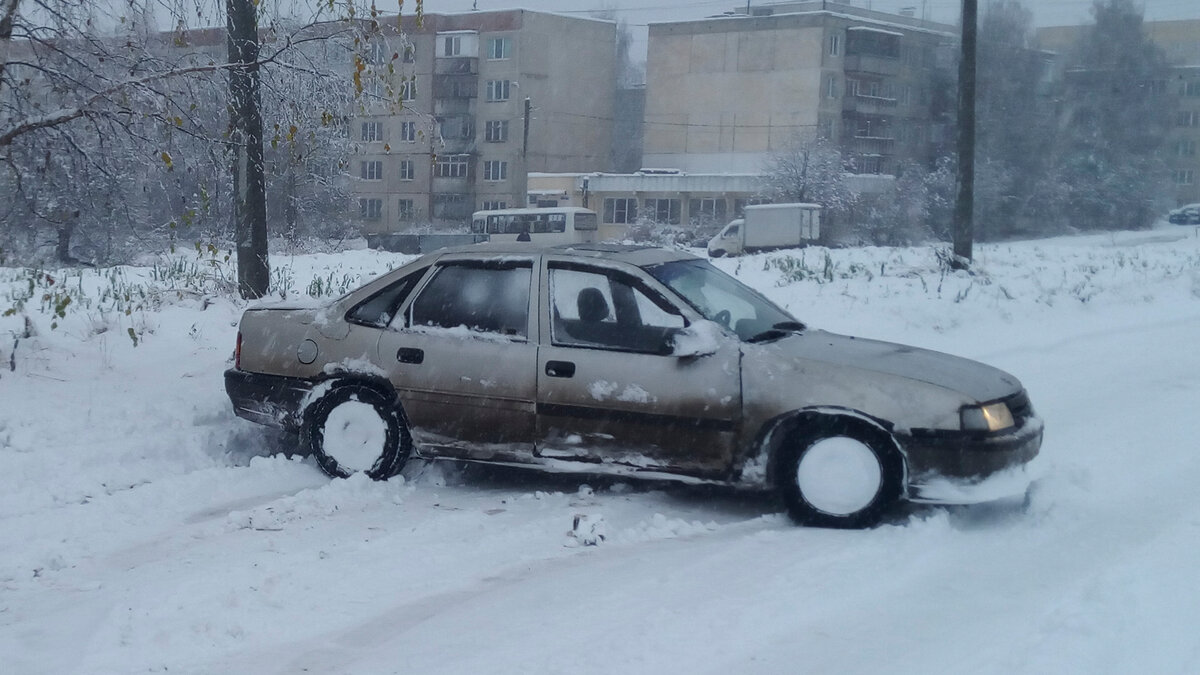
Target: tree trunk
x=964, y=203
x=245, y=126
x=8, y=16
x=292, y=205
x=63, y=250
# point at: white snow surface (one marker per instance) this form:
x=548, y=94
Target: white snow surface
x=144, y=528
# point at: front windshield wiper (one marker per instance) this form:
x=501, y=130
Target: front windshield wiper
x=777, y=331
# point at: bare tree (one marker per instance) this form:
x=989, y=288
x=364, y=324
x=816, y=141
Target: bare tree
x=810, y=169
x=126, y=124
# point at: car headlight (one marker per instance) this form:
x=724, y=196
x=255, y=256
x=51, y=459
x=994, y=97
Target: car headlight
x=990, y=417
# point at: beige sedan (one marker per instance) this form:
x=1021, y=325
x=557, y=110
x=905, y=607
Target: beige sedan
x=633, y=361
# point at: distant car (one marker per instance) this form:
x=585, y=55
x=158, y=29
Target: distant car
x=627, y=360
x=1188, y=214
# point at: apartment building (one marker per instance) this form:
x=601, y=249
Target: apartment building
x=724, y=93
x=1180, y=41
x=461, y=107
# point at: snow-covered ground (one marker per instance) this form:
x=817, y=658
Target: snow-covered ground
x=143, y=528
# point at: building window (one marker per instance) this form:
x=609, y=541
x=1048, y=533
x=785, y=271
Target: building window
x=452, y=166
x=496, y=131
x=620, y=210
x=707, y=210
x=408, y=88
x=408, y=131
x=406, y=209
x=1188, y=118
x=1185, y=149
x=370, y=132
x=451, y=45
x=410, y=54
x=370, y=209
x=376, y=53
x=663, y=211
x=831, y=87
x=499, y=48
x=835, y=44
x=1191, y=88
x=1184, y=176
x=494, y=170
x=371, y=170
x=489, y=205
x=372, y=85
x=408, y=170
x=497, y=90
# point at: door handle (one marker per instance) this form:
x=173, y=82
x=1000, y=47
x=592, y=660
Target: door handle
x=560, y=368
x=410, y=355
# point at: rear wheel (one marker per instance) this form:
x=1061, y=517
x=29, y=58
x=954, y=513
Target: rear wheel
x=845, y=473
x=356, y=428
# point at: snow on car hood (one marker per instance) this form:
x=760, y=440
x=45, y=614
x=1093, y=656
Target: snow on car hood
x=971, y=378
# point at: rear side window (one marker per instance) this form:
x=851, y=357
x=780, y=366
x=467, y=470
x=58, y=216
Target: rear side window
x=377, y=311
x=481, y=299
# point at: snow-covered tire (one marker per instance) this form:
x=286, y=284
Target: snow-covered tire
x=356, y=427
x=841, y=472
x=719, y=253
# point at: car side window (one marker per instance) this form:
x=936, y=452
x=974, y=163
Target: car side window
x=492, y=299
x=608, y=310
x=377, y=311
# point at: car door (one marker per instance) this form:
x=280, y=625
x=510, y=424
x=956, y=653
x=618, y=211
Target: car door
x=460, y=357
x=608, y=390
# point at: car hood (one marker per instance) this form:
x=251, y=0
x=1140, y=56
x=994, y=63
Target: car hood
x=970, y=378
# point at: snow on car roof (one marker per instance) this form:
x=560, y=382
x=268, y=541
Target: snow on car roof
x=631, y=253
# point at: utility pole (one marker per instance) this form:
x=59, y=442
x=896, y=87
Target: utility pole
x=522, y=187
x=964, y=202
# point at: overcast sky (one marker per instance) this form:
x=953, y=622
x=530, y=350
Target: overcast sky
x=1046, y=12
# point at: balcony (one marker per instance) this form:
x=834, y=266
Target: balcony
x=453, y=204
x=446, y=107
x=455, y=86
x=451, y=185
x=871, y=145
x=874, y=65
x=460, y=65
x=863, y=103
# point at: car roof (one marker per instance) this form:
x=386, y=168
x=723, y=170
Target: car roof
x=634, y=254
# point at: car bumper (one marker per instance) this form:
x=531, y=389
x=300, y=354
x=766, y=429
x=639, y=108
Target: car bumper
x=266, y=399
x=958, y=468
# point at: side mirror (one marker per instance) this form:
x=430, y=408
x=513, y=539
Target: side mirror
x=702, y=338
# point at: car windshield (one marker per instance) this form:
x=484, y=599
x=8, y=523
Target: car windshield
x=725, y=300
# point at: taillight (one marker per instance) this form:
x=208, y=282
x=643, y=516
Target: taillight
x=237, y=352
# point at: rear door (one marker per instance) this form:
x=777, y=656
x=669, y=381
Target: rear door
x=461, y=359
x=608, y=390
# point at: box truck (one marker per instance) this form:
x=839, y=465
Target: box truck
x=766, y=227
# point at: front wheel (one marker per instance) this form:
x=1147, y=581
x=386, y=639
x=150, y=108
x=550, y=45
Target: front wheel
x=844, y=474
x=356, y=428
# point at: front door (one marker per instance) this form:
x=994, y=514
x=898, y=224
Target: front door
x=608, y=388
x=462, y=361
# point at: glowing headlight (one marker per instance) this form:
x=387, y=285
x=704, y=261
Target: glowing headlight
x=990, y=417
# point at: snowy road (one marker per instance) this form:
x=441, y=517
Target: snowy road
x=141, y=532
